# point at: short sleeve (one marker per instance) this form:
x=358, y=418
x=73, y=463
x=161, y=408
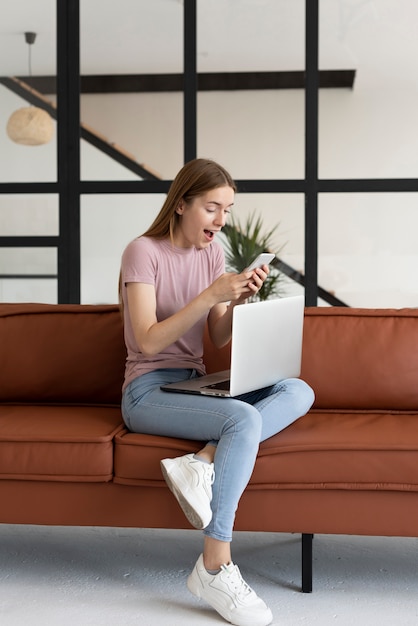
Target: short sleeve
x=139, y=262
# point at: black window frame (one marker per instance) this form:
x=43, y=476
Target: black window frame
x=70, y=187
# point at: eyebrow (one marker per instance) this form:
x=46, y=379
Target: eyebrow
x=219, y=204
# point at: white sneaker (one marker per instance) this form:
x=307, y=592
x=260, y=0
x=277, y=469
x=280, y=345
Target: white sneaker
x=229, y=594
x=191, y=481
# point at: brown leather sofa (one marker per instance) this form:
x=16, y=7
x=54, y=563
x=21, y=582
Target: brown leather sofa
x=348, y=467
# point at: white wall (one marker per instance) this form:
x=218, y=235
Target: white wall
x=367, y=249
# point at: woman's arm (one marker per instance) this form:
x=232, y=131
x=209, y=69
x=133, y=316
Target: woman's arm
x=220, y=316
x=153, y=336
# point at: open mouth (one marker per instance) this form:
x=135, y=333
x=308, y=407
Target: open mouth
x=209, y=234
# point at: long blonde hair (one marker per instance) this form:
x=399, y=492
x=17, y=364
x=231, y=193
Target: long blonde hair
x=194, y=179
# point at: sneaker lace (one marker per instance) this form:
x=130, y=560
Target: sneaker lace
x=209, y=475
x=236, y=582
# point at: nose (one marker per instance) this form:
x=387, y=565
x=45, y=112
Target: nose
x=220, y=218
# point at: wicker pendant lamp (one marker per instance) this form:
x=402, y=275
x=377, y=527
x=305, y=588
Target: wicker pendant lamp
x=30, y=126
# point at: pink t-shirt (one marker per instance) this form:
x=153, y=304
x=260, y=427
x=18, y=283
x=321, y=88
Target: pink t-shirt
x=178, y=275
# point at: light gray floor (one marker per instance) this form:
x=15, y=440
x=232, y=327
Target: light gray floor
x=122, y=577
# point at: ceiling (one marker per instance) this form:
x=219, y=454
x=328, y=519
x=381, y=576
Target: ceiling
x=375, y=37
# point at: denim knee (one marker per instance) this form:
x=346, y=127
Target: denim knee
x=247, y=422
x=303, y=395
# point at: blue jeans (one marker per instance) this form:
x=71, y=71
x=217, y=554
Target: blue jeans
x=236, y=426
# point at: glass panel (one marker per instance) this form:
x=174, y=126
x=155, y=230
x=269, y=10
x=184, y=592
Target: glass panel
x=367, y=248
x=23, y=162
x=25, y=290
x=129, y=39
x=284, y=215
x=257, y=133
x=118, y=219
x=33, y=261
x=369, y=131
x=28, y=215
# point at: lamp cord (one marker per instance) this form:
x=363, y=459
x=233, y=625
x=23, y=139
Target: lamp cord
x=30, y=60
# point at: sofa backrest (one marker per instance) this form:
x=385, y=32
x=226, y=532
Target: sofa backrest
x=353, y=358
x=61, y=354
x=362, y=358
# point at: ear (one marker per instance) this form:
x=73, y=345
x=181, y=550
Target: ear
x=180, y=208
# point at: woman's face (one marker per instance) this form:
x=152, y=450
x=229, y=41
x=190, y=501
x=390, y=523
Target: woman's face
x=203, y=217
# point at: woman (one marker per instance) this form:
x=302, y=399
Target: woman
x=173, y=283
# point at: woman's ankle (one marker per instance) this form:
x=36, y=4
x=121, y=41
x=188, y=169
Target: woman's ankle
x=215, y=554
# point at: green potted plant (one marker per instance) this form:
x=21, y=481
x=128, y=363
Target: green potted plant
x=243, y=243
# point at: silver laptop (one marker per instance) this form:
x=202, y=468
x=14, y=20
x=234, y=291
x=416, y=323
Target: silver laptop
x=266, y=348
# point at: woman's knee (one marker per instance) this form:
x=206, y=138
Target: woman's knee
x=303, y=394
x=246, y=420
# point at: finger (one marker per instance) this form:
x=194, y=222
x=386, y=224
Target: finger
x=261, y=273
x=258, y=280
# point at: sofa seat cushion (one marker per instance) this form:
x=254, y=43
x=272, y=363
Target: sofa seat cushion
x=322, y=450
x=58, y=443
x=137, y=456
x=343, y=450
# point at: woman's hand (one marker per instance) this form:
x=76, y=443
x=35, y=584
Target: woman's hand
x=237, y=288
x=257, y=279
x=230, y=287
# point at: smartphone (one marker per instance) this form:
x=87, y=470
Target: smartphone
x=263, y=259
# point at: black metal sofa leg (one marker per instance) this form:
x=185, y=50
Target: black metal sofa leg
x=307, y=540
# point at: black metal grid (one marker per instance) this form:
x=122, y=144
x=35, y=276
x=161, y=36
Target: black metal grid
x=69, y=187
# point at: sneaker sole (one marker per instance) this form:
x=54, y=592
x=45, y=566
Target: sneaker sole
x=191, y=514
x=195, y=587
x=250, y=621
